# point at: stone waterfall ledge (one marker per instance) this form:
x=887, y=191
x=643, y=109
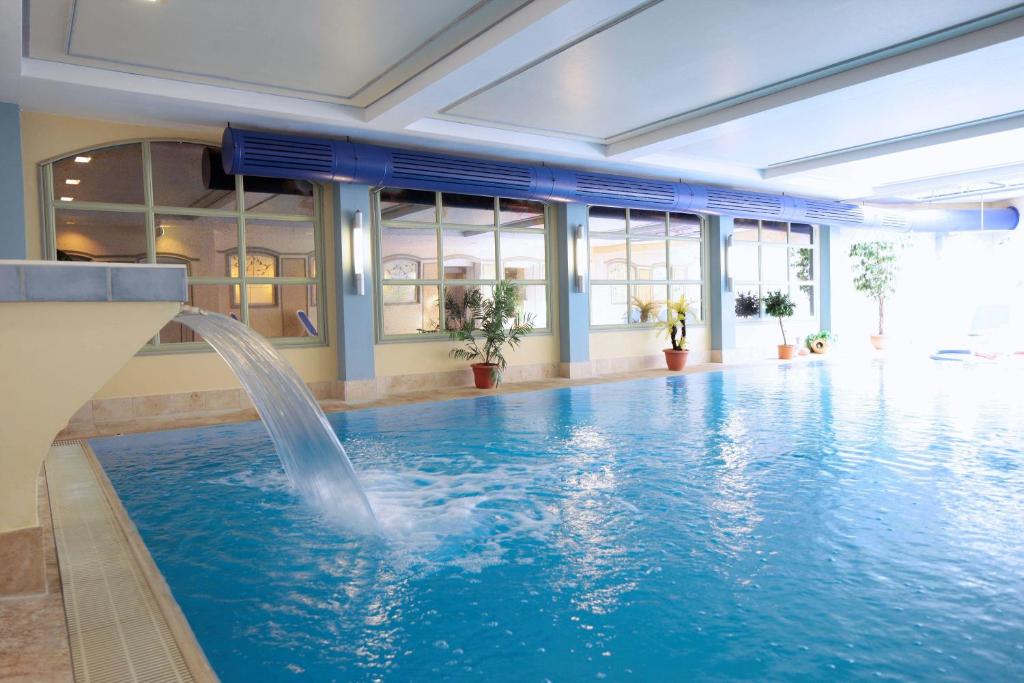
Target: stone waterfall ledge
x=81, y=281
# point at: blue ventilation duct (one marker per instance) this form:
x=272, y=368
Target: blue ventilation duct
x=274, y=155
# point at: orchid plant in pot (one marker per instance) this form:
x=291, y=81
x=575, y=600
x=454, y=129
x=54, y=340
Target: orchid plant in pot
x=674, y=327
x=490, y=325
x=779, y=305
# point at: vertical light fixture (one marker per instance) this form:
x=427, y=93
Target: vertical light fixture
x=357, y=253
x=580, y=251
x=728, y=267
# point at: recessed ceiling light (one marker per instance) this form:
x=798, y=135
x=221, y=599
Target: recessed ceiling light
x=82, y=160
x=72, y=181
x=67, y=199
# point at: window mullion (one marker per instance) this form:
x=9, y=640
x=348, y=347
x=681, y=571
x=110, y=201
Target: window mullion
x=243, y=288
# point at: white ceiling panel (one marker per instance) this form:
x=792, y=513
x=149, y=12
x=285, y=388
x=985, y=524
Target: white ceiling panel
x=678, y=56
x=348, y=50
x=950, y=92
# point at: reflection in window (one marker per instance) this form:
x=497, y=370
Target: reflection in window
x=763, y=258
x=637, y=259
x=471, y=235
x=196, y=221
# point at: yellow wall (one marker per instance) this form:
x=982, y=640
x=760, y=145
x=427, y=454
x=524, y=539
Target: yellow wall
x=55, y=355
x=45, y=136
x=606, y=344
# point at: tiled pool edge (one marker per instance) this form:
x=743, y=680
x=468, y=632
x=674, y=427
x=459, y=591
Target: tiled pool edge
x=170, y=649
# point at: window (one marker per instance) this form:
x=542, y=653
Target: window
x=768, y=256
x=639, y=260
x=432, y=248
x=170, y=202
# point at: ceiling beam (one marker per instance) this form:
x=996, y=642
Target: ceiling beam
x=957, y=40
x=522, y=39
x=928, y=138
x=991, y=173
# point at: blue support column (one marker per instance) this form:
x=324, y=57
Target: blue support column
x=825, y=277
x=12, y=184
x=722, y=299
x=573, y=305
x=353, y=311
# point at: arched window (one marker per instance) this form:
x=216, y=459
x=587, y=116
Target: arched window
x=166, y=201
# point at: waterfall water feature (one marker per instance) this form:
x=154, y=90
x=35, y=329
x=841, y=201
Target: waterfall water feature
x=310, y=452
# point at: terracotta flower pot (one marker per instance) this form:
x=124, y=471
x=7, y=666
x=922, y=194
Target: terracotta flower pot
x=820, y=346
x=786, y=351
x=878, y=341
x=676, y=360
x=484, y=375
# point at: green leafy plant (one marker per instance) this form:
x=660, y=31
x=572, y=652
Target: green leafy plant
x=779, y=305
x=646, y=310
x=824, y=335
x=874, y=273
x=674, y=325
x=455, y=310
x=491, y=324
x=747, y=305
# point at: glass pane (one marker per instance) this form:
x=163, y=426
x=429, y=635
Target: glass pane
x=100, y=236
x=604, y=219
x=520, y=213
x=408, y=205
x=467, y=209
x=533, y=300
x=694, y=296
x=455, y=309
x=743, y=262
x=773, y=231
x=522, y=255
x=216, y=298
x=257, y=264
x=112, y=175
x=648, y=258
x=646, y=223
x=801, y=264
x=607, y=256
x=747, y=303
x=274, y=309
x=296, y=239
x=190, y=175
x=646, y=304
x=745, y=230
x=774, y=264
x=468, y=255
x=200, y=242
x=410, y=309
x=801, y=233
x=274, y=195
x=608, y=304
x=408, y=253
x=684, y=256
x=803, y=297
x=684, y=225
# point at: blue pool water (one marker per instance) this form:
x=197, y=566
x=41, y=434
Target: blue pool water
x=806, y=522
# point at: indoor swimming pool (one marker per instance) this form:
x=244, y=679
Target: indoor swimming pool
x=778, y=522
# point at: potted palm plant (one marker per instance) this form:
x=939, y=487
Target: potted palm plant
x=674, y=326
x=779, y=305
x=874, y=274
x=489, y=326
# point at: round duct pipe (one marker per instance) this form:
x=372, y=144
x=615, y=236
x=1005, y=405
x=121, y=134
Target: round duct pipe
x=274, y=155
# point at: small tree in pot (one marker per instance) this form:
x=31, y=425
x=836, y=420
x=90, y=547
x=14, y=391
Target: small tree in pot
x=498, y=322
x=874, y=274
x=674, y=326
x=779, y=305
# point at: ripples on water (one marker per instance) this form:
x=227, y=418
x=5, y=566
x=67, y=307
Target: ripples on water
x=803, y=522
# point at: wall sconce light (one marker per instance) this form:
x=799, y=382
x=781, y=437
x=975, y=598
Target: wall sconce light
x=357, y=253
x=580, y=251
x=728, y=268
